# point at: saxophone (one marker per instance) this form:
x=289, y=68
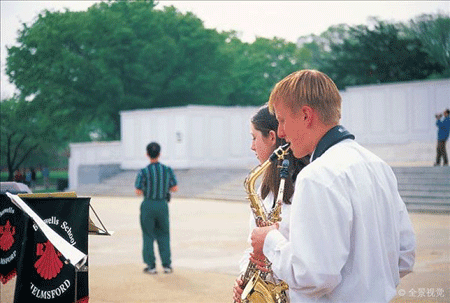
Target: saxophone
x=260, y=286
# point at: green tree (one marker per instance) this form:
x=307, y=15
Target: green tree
x=315, y=49
x=377, y=54
x=117, y=56
x=258, y=66
x=433, y=31
x=26, y=134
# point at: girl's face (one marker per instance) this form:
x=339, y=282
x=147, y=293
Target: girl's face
x=262, y=146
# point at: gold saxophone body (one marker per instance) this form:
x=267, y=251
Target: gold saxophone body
x=259, y=286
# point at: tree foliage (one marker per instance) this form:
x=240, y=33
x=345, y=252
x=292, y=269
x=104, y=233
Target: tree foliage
x=258, y=66
x=79, y=70
x=378, y=54
x=118, y=56
x=433, y=31
x=26, y=133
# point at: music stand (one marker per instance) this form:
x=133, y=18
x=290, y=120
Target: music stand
x=94, y=229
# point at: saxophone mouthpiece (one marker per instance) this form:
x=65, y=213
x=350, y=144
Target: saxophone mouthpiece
x=286, y=146
x=280, y=152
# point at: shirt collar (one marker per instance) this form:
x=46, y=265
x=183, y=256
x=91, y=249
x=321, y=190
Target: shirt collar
x=333, y=136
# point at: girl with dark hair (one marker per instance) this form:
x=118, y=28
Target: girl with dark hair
x=264, y=141
x=263, y=129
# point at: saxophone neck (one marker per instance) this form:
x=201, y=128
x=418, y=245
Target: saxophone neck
x=278, y=154
x=249, y=183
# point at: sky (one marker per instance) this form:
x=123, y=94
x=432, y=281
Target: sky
x=283, y=19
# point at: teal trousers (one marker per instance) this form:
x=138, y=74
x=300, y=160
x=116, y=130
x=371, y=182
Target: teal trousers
x=155, y=226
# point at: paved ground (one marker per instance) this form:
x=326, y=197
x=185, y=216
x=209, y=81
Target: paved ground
x=208, y=238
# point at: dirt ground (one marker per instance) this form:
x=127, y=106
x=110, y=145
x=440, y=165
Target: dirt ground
x=208, y=238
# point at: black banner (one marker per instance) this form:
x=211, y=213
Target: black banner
x=43, y=274
x=12, y=223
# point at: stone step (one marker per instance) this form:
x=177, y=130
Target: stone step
x=411, y=176
x=423, y=176
x=426, y=200
x=434, y=208
x=424, y=187
x=418, y=181
x=424, y=193
x=421, y=188
x=421, y=169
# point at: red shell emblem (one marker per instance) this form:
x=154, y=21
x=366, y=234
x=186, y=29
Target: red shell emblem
x=6, y=236
x=48, y=266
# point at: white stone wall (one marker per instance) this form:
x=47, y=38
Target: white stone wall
x=191, y=136
x=400, y=115
x=94, y=153
x=397, y=113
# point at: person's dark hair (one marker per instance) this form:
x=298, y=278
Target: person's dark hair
x=447, y=111
x=153, y=150
x=264, y=121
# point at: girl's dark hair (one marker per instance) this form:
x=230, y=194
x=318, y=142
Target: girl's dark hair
x=264, y=122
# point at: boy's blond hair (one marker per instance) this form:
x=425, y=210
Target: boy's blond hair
x=312, y=88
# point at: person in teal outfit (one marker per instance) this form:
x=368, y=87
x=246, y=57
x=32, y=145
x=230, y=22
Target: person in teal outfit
x=155, y=182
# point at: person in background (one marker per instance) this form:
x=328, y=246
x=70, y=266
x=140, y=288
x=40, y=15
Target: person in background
x=350, y=236
x=46, y=176
x=443, y=125
x=155, y=182
x=18, y=176
x=263, y=129
x=28, y=177
x=33, y=177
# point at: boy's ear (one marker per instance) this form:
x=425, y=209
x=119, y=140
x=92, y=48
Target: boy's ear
x=307, y=114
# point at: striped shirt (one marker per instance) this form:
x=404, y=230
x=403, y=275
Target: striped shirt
x=155, y=180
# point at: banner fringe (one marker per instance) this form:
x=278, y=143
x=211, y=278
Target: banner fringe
x=83, y=300
x=8, y=277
